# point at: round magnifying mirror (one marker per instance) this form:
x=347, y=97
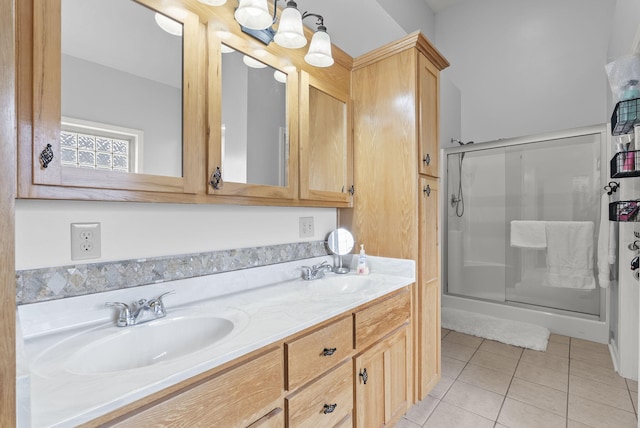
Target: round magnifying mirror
x=340, y=242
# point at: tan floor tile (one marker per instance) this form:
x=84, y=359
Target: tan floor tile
x=521, y=415
x=601, y=374
x=542, y=397
x=599, y=415
x=443, y=332
x=477, y=400
x=451, y=368
x=405, y=423
x=482, y=377
x=456, y=351
x=574, y=424
x=543, y=376
x=501, y=426
x=559, y=349
x=587, y=345
x=600, y=392
x=632, y=385
x=447, y=416
x=501, y=349
x=558, y=338
x=442, y=387
x=594, y=357
x=420, y=412
x=545, y=360
x=634, y=400
x=495, y=362
x=464, y=339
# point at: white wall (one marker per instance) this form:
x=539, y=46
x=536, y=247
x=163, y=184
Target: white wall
x=136, y=230
x=527, y=67
x=412, y=15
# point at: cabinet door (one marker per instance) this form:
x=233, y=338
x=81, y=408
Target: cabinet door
x=381, y=381
x=326, y=143
x=429, y=96
x=429, y=288
x=253, y=120
x=89, y=119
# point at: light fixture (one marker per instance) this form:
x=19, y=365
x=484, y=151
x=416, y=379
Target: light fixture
x=254, y=19
x=213, y=2
x=252, y=62
x=290, y=33
x=280, y=76
x=319, y=54
x=253, y=14
x=169, y=25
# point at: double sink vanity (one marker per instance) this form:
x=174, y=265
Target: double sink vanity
x=259, y=345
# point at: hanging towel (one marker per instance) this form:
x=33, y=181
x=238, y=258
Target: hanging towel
x=570, y=255
x=528, y=234
x=606, y=243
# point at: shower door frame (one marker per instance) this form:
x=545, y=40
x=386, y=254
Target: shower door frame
x=600, y=130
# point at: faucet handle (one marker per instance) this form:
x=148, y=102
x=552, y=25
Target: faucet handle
x=124, y=316
x=158, y=305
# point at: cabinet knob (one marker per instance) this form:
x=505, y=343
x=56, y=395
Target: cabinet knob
x=46, y=156
x=427, y=190
x=364, y=376
x=216, y=179
x=427, y=159
x=329, y=408
x=327, y=352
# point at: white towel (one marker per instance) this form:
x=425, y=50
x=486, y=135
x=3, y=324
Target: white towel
x=570, y=255
x=606, y=243
x=528, y=234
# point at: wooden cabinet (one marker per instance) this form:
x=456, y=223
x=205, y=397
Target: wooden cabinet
x=395, y=147
x=196, y=159
x=237, y=397
x=326, y=144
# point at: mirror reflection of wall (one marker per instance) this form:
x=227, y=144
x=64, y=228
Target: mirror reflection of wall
x=254, y=122
x=120, y=70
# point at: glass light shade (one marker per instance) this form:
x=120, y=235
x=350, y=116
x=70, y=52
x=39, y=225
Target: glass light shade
x=280, y=76
x=253, y=14
x=213, y=2
x=290, y=33
x=319, y=54
x=168, y=24
x=251, y=62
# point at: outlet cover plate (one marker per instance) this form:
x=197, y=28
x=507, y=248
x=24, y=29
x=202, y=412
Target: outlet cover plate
x=306, y=227
x=85, y=241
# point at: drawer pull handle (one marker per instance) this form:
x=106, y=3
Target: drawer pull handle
x=427, y=159
x=327, y=352
x=46, y=156
x=329, y=408
x=363, y=374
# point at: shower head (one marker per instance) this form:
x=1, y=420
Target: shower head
x=454, y=140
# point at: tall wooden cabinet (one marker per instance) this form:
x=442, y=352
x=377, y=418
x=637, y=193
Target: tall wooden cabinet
x=395, y=91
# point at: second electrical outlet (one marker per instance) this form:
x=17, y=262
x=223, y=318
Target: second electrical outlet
x=85, y=241
x=306, y=227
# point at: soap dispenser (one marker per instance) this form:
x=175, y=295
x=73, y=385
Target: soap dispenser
x=363, y=267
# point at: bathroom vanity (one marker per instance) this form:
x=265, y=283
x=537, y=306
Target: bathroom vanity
x=325, y=352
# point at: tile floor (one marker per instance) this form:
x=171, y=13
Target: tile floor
x=490, y=384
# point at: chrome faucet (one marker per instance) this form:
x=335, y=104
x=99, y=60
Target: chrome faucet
x=132, y=315
x=315, y=271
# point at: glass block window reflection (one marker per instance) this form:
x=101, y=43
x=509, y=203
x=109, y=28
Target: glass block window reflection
x=97, y=147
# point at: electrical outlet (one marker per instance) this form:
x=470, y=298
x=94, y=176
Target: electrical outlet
x=85, y=241
x=306, y=227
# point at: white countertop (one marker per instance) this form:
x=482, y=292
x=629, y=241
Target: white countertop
x=266, y=304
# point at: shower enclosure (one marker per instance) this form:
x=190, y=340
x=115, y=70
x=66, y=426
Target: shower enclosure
x=553, y=177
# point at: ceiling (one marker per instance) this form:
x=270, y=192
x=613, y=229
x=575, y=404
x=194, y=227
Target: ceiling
x=438, y=5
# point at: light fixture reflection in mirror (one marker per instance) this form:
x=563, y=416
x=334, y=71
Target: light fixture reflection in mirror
x=119, y=69
x=253, y=63
x=168, y=24
x=254, y=115
x=280, y=76
x=340, y=242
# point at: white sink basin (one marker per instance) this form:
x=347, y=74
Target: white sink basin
x=335, y=285
x=146, y=344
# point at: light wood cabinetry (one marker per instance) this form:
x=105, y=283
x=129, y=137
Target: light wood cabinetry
x=323, y=179
x=236, y=397
x=395, y=147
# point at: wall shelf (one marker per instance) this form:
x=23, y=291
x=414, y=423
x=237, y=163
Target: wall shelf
x=625, y=115
x=625, y=164
x=625, y=211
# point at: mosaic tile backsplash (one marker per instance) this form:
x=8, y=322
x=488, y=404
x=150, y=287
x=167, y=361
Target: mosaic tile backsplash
x=38, y=285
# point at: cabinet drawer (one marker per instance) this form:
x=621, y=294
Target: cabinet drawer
x=274, y=419
x=375, y=321
x=315, y=353
x=308, y=406
x=234, y=398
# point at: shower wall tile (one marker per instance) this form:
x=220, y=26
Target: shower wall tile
x=38, y=285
